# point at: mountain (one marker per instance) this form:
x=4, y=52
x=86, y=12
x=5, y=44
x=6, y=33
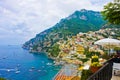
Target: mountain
x=79, y=21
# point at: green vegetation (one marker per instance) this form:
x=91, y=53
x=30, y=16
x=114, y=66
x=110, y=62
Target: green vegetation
x=117, y=48
x=96, y=64
x=79, y=21
x=94, y=59
x=2, y=78
x=54, y=50
x=111, y=12
x=85, y=74
x=35, y=47
x=84, y=60
x=89, y=54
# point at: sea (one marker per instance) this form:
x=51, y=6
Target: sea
x=18, y=64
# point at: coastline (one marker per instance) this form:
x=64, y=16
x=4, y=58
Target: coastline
x=46, y=53
x=43, y=67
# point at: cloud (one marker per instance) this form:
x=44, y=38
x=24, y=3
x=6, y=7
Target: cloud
x=25, y=18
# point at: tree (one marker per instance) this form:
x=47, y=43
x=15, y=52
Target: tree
x=54, y=50
x=111, y=12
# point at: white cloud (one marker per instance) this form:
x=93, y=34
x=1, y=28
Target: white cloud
x=25, y=18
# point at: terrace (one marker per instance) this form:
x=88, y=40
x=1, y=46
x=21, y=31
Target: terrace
x=69, y=72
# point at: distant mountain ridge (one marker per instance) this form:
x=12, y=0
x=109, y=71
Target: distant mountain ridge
x=79, y=21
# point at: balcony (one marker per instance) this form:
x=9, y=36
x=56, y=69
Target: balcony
x=104, y=73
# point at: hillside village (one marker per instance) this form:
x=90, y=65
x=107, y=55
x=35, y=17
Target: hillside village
x=83, y=41
x=80, y=50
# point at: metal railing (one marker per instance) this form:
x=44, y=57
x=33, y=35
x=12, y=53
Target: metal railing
x=104, y=73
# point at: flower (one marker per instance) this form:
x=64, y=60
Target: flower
x=94, y=59
x=80, y=68
x=95, y=56
x=96, y=64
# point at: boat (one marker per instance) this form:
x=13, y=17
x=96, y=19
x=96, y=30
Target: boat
x=8, y=70
x=17, y=72
x=49, y=64
x=32, y=67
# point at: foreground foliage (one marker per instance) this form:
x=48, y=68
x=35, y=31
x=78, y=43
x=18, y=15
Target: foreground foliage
x=111, y=12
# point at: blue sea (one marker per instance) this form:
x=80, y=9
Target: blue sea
x=18, y=64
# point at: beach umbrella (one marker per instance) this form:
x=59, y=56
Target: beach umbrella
x=108, y=42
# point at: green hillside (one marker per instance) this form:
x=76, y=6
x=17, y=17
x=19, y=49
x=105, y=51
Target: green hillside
x=79, y=21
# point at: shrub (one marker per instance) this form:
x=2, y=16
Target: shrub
x=86, y=74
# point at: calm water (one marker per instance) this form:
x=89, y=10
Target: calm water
x=18, y=64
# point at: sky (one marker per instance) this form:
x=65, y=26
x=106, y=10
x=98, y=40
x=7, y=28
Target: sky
x=21, y=20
